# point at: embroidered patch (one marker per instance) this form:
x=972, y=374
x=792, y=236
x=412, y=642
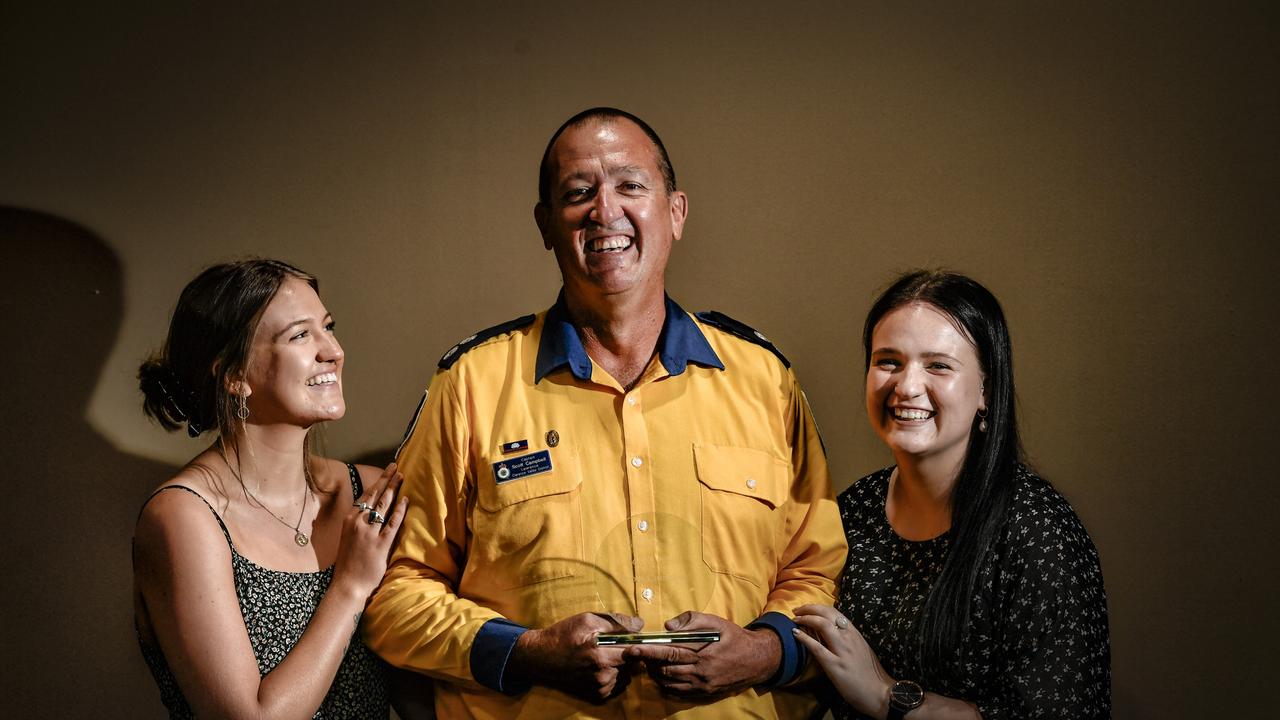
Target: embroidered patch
x=505, y=471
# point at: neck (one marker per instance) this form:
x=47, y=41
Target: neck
x=620, y=332
x=929, y=479
x=919, y=502
x=270, y=460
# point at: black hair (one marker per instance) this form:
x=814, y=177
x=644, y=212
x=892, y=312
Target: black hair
x=208, y=344
x=604, y=114
x=983, y=491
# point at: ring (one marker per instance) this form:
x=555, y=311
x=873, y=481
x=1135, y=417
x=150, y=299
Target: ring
x=375, y=517
x=362, y=505
x=842, y=622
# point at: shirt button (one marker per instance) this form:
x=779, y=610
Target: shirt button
x=636, y=461
x=751, y=483
x=631, y=401
x=643, y=525
x=647, y=594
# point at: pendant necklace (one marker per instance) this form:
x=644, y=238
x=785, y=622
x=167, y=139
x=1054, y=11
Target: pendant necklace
x=299, y=537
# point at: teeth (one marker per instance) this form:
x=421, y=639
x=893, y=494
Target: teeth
x=910, y=414
x=609, y=243
x=323, y=379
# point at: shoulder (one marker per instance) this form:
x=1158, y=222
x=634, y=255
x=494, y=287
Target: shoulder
x=739, y=331
x=1045, y=536
x=483, y=337
x=866, y=495
x=369, y=475
x=178, y=525
x=873, y=485
x=333, y=476
x=1037, y=507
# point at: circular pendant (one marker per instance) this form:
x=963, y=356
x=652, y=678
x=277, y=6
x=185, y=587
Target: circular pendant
x=301, y=539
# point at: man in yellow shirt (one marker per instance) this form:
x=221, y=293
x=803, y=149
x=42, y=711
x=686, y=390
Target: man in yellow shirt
x=610, y=465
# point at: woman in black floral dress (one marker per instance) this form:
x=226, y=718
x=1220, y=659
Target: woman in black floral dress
x=253, y=564
x=971, y=588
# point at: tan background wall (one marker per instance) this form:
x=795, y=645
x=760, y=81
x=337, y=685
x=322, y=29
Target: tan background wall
x=1109, y=170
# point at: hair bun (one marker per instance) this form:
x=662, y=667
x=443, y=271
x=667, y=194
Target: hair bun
x=168, y=400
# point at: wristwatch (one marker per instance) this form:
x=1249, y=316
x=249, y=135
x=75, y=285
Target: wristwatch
x=904, y=697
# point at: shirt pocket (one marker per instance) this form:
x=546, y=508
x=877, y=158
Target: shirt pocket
x=528, y=530
x=742, y=493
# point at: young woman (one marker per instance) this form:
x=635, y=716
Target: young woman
x=971, y=589
x=252, y=565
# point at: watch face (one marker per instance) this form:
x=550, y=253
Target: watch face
x=906, y=694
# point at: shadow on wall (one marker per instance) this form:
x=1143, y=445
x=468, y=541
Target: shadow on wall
x=69, y=645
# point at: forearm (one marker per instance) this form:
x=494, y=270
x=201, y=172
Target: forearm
x=415, y=621
x=935, y=707
x=938, y=707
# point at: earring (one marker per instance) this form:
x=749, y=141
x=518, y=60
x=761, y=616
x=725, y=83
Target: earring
x=242, y=407
x=982, y=420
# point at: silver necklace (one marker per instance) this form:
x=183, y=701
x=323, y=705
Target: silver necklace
x=299, y=537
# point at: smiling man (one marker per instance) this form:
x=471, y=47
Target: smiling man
x=613, y=464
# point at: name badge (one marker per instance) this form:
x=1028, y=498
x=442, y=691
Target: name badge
x=515, y=446
x=505, y=471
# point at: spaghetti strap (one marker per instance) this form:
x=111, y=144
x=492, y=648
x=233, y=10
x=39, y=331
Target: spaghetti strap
x=225, y=532
x=357, y=487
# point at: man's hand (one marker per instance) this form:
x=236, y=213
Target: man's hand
x=742, y=659
x=565, y=656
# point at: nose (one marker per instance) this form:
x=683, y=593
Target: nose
x=329, y=349
x=910, y=382
x=604, y=207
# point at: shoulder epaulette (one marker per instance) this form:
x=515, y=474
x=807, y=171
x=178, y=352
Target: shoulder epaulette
x=741, y=330
x=455, y=352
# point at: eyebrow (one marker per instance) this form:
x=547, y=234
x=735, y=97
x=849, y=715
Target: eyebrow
x=300, y=321
x=609, y=172
x=931, y=354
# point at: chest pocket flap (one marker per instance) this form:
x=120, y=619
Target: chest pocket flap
x=743, y=471
x=495, y=496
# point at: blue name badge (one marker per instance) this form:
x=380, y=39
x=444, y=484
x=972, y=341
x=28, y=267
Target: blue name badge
x=515, y=446
x=523, y=466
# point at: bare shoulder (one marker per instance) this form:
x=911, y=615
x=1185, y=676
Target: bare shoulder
x=334, y=477
x=369, y=474
x=178, y=524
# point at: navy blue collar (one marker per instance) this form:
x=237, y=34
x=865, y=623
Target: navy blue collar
x=680, y=343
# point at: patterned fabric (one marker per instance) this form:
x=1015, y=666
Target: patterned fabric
x=1037, y=644
x=277, y=607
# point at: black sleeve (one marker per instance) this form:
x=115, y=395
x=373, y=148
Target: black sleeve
x=1054, y=650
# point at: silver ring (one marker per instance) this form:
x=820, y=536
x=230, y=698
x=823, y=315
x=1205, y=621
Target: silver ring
x=842, y=622
x=362, y=505
x=375, y=517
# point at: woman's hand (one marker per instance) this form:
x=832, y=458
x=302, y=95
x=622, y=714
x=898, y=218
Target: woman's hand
x=846, y=658
x=366, y=540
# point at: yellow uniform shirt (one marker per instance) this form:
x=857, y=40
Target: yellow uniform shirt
x=539, y=488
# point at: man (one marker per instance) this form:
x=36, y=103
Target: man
x=611, y=465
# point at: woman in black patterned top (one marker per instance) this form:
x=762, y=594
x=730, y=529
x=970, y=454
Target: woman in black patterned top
x=252, y=565
x=971, y=589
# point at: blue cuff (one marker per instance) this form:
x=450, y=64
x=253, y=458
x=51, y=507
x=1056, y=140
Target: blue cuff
x=794, y=656
x=490, y=653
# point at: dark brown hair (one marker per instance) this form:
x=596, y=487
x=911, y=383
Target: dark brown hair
x=207, y=348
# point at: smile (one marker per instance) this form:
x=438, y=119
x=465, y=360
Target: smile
x=612, y=243
x=323, y=379
x=912, y=414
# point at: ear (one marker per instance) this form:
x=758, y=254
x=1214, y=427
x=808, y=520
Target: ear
x=239, y=387
x=679, y=211
x=982, y=393
x=541, y=216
